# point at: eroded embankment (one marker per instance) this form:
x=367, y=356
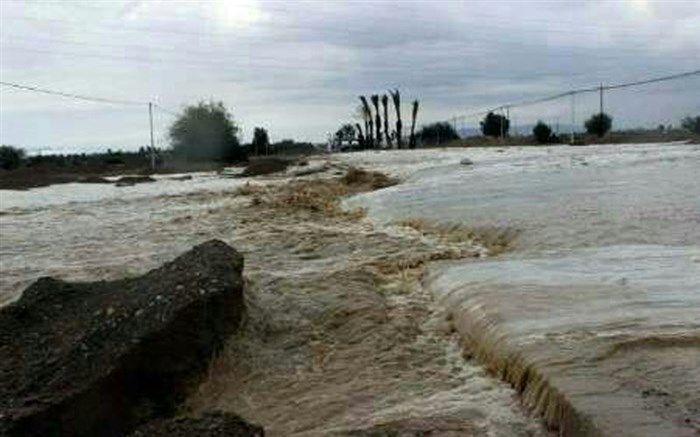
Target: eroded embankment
x=584, y=374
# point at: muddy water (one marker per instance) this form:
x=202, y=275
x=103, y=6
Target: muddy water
x=330, y=346
x=595, y=317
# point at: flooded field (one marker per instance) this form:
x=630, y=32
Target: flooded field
x=341, y=338
x=594, y=316
x=591, y=314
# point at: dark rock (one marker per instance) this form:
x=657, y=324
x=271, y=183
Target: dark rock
x=265, y=166
x=213, y=424
x=99, y=358
x=93, y=180
x=127, y=181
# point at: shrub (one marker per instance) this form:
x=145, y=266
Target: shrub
x=10, y=157
x=692, y=124
x=261, y=141
x=438, y=133
x=599, y=124
x=495, y=124
x=543, y=133
x=206, y=131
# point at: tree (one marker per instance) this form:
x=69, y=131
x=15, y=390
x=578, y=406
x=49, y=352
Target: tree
x=692, y=124
x=598, y=124
x=10, y=157
x=346, y=134
x=377, y=119
x=387, y=134
x=369, y=124
x=414, y=115
x=261, y=141
x=438, y=133
x=396, y=99
x=543, y=133
x=495, y=125
x=206, y=131
x=360, y=137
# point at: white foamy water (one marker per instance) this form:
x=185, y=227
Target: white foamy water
x=601, y=298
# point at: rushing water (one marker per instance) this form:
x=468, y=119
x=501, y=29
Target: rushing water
x=600, y=301
x=594, y=317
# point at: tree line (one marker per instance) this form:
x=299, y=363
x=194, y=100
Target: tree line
x=373, y=133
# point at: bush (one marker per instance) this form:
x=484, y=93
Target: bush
x=599, y=124
x=494, y=124
x=206, y=131
x=543, y=133
x=438, y=133
x=261, y=141
x=10, y=157
x=692, y=124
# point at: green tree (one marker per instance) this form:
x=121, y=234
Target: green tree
x=10, y=157
x=261, y=141
x=346, y=133
x=206, y=131
x=438, y=133
x=692, y=124
x=495, y=125
x=599, y=124
x=543, y=133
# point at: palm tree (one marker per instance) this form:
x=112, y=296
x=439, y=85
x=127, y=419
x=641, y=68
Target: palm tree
x=412, y=143
x=396, y=98
x=369, y=126
x=360, y=137
x=378, y=119
x=387, y=136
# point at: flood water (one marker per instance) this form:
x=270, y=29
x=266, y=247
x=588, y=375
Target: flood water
x=594, y=316
x=600, y=298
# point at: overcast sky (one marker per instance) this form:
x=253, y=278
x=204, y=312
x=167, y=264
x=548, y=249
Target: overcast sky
x=297, y=68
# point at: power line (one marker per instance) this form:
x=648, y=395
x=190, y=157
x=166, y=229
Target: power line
x=586, y=90
x=71, y=95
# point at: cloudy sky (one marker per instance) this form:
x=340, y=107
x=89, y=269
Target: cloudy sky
x=297, y=68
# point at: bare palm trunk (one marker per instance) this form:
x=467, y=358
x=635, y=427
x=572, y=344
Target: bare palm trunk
x=387, y=135
x=369, y=128
x=412, y=142
x=396, y=99
x=360, y=137
x=377, y=120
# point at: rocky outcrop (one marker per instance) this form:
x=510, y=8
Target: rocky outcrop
x=100, y=358
x=214, y=424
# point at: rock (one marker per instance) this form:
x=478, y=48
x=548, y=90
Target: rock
x=99, y=358
x=212, y=424
x=127, y=181
x=93, y=180
x=466, y=161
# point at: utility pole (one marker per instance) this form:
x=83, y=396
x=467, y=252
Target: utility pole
x=601, y=98
x=573, y=117
x=502, y=116
x=153, y=147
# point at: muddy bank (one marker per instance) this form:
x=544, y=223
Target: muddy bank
x=41, y=175
x=82, y=359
